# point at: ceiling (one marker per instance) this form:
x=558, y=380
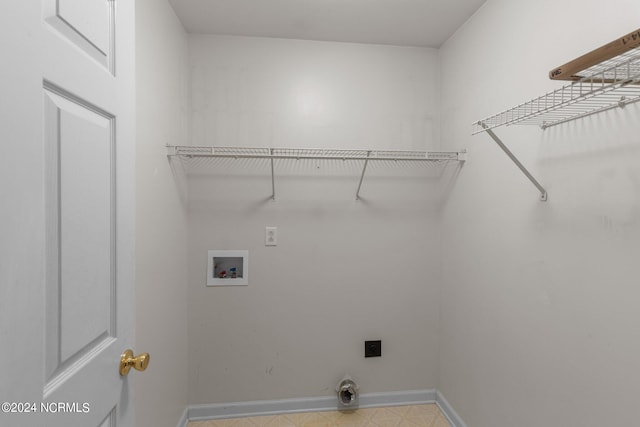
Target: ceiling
x=427, y=23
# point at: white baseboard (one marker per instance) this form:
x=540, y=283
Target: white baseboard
x=311, y=404
x=452, y=416
x=184, y=419
x=317, y=404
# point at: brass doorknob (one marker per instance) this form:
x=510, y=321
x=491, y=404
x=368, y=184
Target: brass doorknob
x=127, y=361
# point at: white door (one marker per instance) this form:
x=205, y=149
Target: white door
x=67, y=216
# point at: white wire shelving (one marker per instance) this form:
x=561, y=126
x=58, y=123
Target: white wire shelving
x=188, y=153
x=610, y=84
x=614, y=83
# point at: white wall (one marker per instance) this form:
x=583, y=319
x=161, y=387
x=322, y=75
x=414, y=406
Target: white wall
x=295, y=93
x=344, y=271
x=161, y=236
x=539, y=300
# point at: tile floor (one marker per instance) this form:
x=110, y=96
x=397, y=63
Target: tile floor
x=393, y=416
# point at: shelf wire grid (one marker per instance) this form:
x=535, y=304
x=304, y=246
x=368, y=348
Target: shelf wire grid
x=312, y=154
x=196, y=161
x=611, y=84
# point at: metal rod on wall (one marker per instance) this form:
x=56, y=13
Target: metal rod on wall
x=273, y=180
x=543, y=192
x=364, y=169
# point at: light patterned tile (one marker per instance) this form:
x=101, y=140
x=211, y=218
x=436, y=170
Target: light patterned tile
x=351, y=419
x=385, y=422
x=427, y=415
x=282, y=421
x=363, y=413
x=414, y=421
x=399, y=410
x=333, y=415
x=430, y=409
x=441, y=421
x=429, y=419
x=383, y=413
x=352, y=413
x=230, y=422
x=245, y=422
x=266, y=421
x=269, y=421
x=351, y=423
x=297, y=419
x=222, y=423
x=356, y=418
x=318, y=419
x=214, y=423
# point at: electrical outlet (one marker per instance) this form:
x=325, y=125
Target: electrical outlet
x=271, y=236
x=373, y=348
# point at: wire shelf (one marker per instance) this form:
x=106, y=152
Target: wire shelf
x=200, y=156
x=610, y=84
x=314, y=154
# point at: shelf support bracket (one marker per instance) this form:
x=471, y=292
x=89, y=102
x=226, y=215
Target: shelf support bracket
x=364, y=169
x=543, y=192
x=273, y=180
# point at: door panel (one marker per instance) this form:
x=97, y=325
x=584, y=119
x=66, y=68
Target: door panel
x=89, y=25
x=80, y=254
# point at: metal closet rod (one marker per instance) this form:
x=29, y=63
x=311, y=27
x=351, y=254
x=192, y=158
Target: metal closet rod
x=371, y=155
x=430, y=156
x=309, y=157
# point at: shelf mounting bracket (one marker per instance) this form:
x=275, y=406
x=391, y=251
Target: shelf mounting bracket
x=543, y=192
x=364, y=169
x=273, y=179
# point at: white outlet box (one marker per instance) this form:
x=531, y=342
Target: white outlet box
x=228, y=268
x=271, y=236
